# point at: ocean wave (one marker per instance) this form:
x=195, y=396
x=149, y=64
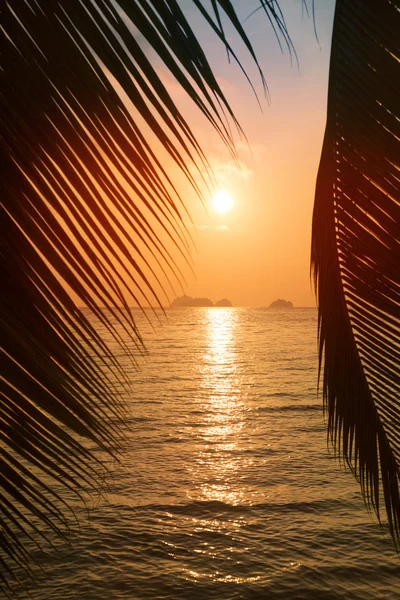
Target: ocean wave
x=217, y=507
x=292, y=408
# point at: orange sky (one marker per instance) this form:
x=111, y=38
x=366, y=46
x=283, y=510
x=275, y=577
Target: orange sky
x=260, y=250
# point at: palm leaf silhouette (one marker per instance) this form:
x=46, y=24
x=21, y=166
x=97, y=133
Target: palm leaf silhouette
x=356, y=249
x=86, y=206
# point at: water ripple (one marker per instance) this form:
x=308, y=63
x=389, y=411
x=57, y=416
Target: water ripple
x=226, y=489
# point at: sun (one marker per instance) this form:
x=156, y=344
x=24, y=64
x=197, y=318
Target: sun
x=222, y=201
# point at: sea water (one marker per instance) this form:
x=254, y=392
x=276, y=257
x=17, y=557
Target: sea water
x=226, y=487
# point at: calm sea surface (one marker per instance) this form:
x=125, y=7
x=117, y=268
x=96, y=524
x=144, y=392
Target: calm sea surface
x=226, y=489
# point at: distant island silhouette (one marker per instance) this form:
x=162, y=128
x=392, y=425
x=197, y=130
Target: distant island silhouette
x=189, y=301
x=223, y=302
x=281, y=304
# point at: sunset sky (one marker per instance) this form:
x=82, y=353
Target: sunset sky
x=260, y=249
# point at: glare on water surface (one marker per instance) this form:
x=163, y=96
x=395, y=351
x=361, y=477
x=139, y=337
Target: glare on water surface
x=223, y=419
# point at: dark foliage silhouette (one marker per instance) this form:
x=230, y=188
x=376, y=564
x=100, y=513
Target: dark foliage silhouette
x=356, y=249
x=86, y=206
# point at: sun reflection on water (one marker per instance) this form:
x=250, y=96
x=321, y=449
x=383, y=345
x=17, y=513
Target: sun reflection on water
x=218, y=465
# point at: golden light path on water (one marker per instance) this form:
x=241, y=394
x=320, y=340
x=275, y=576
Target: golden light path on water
x=218, y=464
x=221, y=381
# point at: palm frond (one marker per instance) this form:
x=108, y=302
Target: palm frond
x=356, y=249
x=86, y=207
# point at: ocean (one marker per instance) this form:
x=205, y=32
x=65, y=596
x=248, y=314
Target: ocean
x=226, y=487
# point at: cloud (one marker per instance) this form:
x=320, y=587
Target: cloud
x=228, y=171
x=253, y=152
x=222, y=228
